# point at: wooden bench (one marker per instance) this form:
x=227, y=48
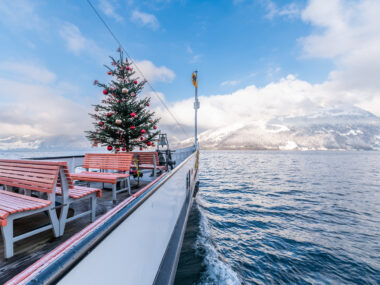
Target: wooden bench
x=106, y=162
x=148, y=160
x=41, y=177
x=75, y=193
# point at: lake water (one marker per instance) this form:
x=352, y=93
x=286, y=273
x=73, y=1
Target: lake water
x=265, y=217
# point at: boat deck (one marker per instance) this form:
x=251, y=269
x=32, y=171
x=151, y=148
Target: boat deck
x=29, y=250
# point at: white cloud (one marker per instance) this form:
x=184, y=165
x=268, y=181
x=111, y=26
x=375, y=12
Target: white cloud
x=229, y=83
x=109, y=10
x=289, y=96
x=290, y=10
x=189, y=49
x=78, y=44
x=154, y=73
x=74, y=39
x=155, y=97
x=27, y=72
x=21, y=14
x=194, y=57
x=33, y=110
x=145, y=19
x=348, y=33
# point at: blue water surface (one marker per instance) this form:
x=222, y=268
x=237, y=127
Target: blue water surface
x=266, y=217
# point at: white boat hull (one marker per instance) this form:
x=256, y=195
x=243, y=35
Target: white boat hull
x=132, y=253
x=136, y=242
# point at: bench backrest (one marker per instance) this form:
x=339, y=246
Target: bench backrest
x=120, y=161
x=146, y=157
x=29, y=174
x=66, y=171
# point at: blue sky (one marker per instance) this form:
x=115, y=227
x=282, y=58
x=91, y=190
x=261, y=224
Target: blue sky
x=57, y=49
x=225, y=41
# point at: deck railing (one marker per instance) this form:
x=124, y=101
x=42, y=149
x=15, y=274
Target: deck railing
x=75, y=161
x=181, y=154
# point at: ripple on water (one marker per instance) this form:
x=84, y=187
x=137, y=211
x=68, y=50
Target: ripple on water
x=285, y=218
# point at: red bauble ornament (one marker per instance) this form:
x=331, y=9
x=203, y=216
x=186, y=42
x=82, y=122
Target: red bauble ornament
x=155, y=127
x=143, y=131
x=108, y=114
x=109, y=72
x=123, y=149
x=117, y=150
x=149, y=143
x=101, y=123
x=133, y=114
x=128, y=68
x=141, y=138
x=147, y=104
x=132, y=127
x=105, y=91
x=140, y=148
x=109, y=147
x=135, y=82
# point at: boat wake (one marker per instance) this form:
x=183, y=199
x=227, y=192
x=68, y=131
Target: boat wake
x=216, y=271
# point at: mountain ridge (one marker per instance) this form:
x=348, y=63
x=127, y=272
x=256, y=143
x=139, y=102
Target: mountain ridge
x=349, y=128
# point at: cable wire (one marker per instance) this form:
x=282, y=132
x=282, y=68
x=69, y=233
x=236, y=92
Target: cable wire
x=136, y=66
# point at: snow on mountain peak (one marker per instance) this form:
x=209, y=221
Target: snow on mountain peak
x=331, y=128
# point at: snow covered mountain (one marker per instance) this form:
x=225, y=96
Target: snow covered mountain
x=338, y=128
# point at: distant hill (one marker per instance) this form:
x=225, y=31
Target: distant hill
x=336, y=129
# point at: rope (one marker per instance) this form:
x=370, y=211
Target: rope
x=138, y=69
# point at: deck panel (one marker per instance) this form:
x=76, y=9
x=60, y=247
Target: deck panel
x=29, y=250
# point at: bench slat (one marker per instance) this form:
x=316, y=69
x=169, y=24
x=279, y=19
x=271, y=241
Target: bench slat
x=10, y=199
x=68, y=177
x=80, y=191
x=3, y=214
x=28, y=164
x=119, y=162
x=146, y=157
x=30, y=186
x=13, y=202
x=29, y=174
x=42, y=178
x=99, y=177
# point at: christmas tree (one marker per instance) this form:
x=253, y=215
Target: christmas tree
x=122, y=121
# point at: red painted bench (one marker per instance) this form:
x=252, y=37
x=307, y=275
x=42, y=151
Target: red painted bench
x=26, y=175
x=106, y=162
x=75, y=193
x=148, y=160
x=40, y=177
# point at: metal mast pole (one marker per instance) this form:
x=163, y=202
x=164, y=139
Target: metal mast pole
x=196, y=107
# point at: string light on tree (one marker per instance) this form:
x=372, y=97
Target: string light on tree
x=122, y=121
